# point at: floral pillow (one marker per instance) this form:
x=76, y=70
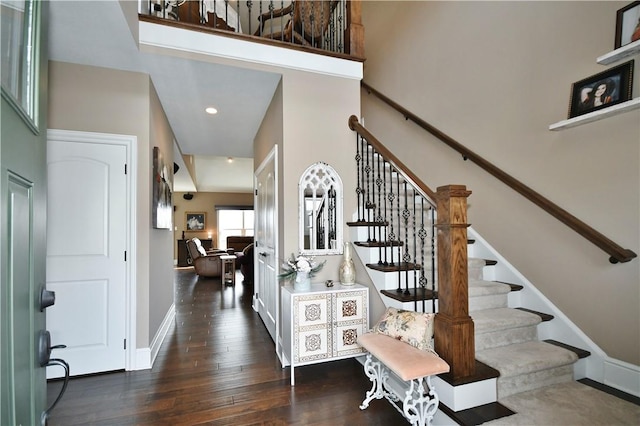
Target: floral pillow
x=414, y=328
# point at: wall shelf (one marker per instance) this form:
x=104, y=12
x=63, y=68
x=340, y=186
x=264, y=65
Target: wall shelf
x=597, y=115
x=620, y=53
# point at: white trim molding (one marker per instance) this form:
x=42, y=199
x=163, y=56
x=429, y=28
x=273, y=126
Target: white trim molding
x=156, y=343
x=179, y=42
x=145, y=357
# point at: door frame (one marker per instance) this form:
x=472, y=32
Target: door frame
x=272, y=156
x=130, y=142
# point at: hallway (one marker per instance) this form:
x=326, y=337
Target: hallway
x=218, y=366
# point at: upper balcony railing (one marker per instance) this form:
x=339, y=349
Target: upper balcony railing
x=332, y=27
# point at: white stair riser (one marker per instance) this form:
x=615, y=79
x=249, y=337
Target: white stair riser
x=493, y=301
x=510, y=336
x=409, y=306
x=535, y=380
x=390, y=280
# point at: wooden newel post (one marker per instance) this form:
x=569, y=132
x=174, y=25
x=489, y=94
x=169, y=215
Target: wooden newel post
x=454, y=332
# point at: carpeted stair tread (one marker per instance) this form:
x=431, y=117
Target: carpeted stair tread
x=491, y=320
x=486, y=288
x=524, y=358
x=569, y=403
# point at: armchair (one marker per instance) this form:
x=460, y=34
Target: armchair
x=246, y=264
x=206, y=264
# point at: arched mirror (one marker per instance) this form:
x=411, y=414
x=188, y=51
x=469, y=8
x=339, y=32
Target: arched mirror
x=320, y=217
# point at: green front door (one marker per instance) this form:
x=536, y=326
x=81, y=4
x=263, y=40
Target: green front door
x=23, y=130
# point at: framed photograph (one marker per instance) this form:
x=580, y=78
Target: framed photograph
x=601, y=90
x=628, y=24
x=195, y=221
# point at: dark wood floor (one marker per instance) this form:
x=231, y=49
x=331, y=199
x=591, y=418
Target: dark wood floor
x=218, y=366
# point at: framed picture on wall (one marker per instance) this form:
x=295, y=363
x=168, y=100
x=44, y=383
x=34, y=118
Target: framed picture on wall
x=601, y=90
x=628, y=24
x=195, y=221
x=162, y=206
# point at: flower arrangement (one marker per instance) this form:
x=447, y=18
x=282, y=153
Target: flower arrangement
x=302, y=264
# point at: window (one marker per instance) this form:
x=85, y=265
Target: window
x=234, y=221
x=18, y=49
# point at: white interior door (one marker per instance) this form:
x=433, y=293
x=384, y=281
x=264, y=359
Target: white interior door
x=265, y=280
x=86, y=243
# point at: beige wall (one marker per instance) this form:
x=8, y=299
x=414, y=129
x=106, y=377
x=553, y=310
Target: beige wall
x=103, y=100
x=204, y=202
x=270, y=131
x=160, y=287
x=494, y=76
x=306, y=132
x=316, y=109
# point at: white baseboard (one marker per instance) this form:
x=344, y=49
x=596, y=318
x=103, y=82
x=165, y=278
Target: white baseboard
x=145, y=357
x=622, y=375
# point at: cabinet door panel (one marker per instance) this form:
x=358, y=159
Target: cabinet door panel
x=313, y=345
x=312, y=310
x=345, y=339
x=311, y=324
x=350, y=306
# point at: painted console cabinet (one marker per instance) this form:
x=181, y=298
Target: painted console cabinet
x=322, y=323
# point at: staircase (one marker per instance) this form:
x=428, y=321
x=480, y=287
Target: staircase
x=506, y=338
x=398, y=235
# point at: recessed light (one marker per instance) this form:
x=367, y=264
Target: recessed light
x=229, y=159
x=211, y=110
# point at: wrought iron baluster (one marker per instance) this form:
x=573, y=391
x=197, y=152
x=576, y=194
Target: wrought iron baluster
x=432, y=210
x=385, y=237
x=399, y=290
x=367, y=170
x=376, y=229
x=406, y=257
x=249, y=7
x=379, y=217
x=359, y=194
x=422, y=235
x=341, y=27
x=415, y=247
x=391, y=198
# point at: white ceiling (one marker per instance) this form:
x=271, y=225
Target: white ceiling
x=96, y=33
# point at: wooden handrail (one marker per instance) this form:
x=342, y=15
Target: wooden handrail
x=407, y=174
x=616, y=252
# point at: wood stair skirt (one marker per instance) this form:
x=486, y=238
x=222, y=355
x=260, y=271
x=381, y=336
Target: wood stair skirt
x=506, y=338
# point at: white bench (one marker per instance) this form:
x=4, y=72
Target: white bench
x=410, y=364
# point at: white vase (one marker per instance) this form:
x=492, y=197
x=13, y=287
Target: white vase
x=347, y=271
x=302, y=281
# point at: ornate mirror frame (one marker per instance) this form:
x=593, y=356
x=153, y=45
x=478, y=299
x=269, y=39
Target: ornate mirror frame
x=320, y=210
